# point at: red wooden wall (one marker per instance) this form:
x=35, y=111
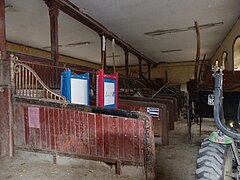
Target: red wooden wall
x=97, y=136
x=160, y=124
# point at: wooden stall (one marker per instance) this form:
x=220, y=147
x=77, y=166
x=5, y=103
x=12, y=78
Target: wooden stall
x=160, y=117
x=112, y=136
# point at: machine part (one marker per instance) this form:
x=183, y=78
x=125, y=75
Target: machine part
x=211, y=99
x=214, y=162
x=218, y=137
x=218, y=105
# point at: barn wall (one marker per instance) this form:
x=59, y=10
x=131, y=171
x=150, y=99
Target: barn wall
x=18, y=48
x=227, y=46
x=178, y=73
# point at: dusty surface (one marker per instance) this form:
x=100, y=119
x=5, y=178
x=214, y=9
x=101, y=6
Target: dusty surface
x=174, y=162
x=19, y=169
x=178, y=160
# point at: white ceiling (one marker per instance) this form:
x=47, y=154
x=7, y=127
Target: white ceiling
x=28, y=23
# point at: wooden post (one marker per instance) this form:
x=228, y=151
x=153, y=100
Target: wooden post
x=140, y=67
x=149, y=71
x=6, y=141
x=53, y=15
x=126, y=52
x=126, y=62
x=2, y=31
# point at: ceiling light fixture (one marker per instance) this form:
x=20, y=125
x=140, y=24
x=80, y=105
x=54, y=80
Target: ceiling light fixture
x=117, y=55
x=78, y=44
x=169, y=31
x=171, y=50
x=71, y=44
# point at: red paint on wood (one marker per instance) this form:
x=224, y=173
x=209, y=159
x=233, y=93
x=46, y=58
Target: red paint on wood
x=121, y=137
x=99, y=134
x=92, y=134
x=136, y=140
x=113, y=139
x=47, y=128
x=106, y=136
x=76, y=123
x=81, y=140
x=128, y=139
x=52, y=128
x=43, y=128
x=27, y=133
x=141, y=141
x=72, y=132
x=56, y=121
x=84, y=133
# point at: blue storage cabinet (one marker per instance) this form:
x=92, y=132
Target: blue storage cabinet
x=75, y=87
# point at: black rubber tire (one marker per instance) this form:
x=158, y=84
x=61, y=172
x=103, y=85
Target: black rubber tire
x=214, y=160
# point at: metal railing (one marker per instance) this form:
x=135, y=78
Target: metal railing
x=28, y=84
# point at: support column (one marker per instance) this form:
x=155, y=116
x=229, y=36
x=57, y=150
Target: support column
x=2, y=30
x=6, y=146
x=140, y=67
x=126, y=52
x=103, y=53
x=149, y=71
x=126, y=62
x=53, y=14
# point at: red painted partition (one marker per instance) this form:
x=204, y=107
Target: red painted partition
x=87, y=132
x=170, y=104
x=160, y=123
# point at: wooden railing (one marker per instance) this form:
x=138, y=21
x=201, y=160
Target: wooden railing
x=29, y=84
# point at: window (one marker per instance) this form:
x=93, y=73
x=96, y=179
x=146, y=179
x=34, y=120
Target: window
x=236, y=54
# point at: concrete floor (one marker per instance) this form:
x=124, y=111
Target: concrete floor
x=174, y=162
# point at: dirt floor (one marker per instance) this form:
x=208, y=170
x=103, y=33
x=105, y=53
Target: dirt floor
x=174, y=162
x=178, y=160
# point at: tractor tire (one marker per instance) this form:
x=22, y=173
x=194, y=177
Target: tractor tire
x=214, y=161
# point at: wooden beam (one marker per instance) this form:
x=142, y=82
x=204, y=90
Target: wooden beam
x=96, y=26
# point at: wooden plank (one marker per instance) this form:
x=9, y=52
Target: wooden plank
x=141, y=141
x=72, y=132
x=106, y=136
x=85, y=133
x=113, y=137
x=136, y=140
x=27, y=131
x=100, y=134
x=52, y=128
x=128, y=139
x=121, y=138
x=57, y=129
x=92, y=134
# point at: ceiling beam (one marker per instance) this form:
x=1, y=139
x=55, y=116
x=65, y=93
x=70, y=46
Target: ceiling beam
x=96, y=26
